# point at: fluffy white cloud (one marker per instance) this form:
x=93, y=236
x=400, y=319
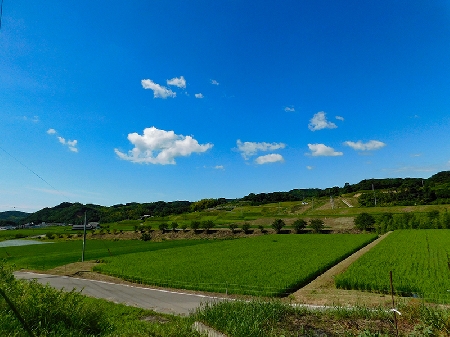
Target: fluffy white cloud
x=179, y=82
x=214, y=82
x=248, y=149
x=269, y=158
x=72, y=144
x=289, y=109
x=158, y=90
x=319, y=122
x=199, y=95
x=369, y=146
x=339, y=118
x=323, y=150
x=309, y=167
x=219, y=167
x=157, y=146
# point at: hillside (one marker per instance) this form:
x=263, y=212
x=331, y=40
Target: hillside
x=13, y=215
x=389, y=192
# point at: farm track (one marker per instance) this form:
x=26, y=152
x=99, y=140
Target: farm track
x=322, y=290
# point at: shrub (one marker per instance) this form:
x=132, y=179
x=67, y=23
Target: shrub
x=20, y=236
x=364, y=222
x=261, y=228
x=195, y=225
x=174, y=225
x=278, y=224
x=246, y=227
x=316, y=224
x=232, y=227
x=50, y=235
x=299, y=225
x=162, y=227
x=146, y=237
x=184, y=227
x=207, y=225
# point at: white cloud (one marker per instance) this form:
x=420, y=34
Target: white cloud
x=35, y=119
x=156, y=146
x=158, y=90
x=319, y=122
x=369, y=146
x=339, y=118
x=309, y=167
x=323, y=150
x=248, y=149
x=214, y=82
x=269, y=158
x=289, y=109
x=199, y=95
x=179, y=82
x=219, y=167
x=72, y=144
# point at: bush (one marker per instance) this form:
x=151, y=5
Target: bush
x=277, y=225
x=207, y=225
x=174, y=225
x=195, y=225
x=162, y=227
x=261, y=228
x=232, y=227
x=50, y=235
x=299, y=225
x=317, y=225
x=364, y=222
x=146, y=237
x=245, y=227
x=184, y=227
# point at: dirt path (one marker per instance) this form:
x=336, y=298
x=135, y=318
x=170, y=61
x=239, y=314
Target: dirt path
x=322, y=290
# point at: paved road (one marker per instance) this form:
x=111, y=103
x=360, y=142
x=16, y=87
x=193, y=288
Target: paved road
x=155, y=299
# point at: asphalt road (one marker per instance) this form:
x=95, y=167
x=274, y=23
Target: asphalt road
x=163, y=301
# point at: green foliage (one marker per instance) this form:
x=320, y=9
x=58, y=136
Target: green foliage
x=206, y=203
x=278, y=225
x=207, y=225
x=232, y=227
x=299, y=225
x=245, y=227
x=419, y=261
x=146, y=237
x=174, y=225
x=261, y=228
x=50, y=235
x=317, y=225
x=163, y=226
x=195, y=225
x=364, y=222
x=236, y=265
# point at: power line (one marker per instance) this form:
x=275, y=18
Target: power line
x=29, y=169
x=1, y=13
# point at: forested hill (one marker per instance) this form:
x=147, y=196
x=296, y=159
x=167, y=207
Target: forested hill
x=390, y=191
x=13, y=215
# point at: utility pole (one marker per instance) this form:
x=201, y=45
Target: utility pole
x=374, y=196
x=331, y=202
x=84, y=237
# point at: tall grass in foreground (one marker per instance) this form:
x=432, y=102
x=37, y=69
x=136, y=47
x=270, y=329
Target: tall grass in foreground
x=258, y=319
x=55, y=313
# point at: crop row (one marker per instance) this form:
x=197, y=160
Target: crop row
x=419, y=260
x=268, y=264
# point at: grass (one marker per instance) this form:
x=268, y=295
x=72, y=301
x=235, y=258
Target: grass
x=269, y=265
x=20, y=233
x=50, y=312
x=258, y=318
x=419, y=260
x=48, y=256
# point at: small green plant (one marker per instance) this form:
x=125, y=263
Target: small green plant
x=299, y=225
x=174, y=226
x=317, y=225
x=195, y=225
x=278, y=225
x=261, y=228
x=232, y=227
x=163, y=226
x=146, y=237
x=207, y=225
x=184, y=227
x=50, y=235
x=245, y=227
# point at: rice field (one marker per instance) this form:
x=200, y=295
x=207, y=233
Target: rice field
x=269, y=265
x=419, y=260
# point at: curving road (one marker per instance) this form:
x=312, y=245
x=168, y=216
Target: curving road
x=163, y=301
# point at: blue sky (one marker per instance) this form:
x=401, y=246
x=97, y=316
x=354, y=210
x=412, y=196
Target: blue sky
x=115, y=102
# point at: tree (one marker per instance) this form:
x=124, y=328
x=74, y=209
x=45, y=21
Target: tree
x=278, y=224
x=233, y=227
x=174, y=225
x=245, y=227
x=207, y=225
x=195, y=225
x=162, y=227
x=299, y=225
x=364, y=222
x=316, y=224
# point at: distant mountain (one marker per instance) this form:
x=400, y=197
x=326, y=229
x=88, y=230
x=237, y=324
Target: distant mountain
x=13, y=215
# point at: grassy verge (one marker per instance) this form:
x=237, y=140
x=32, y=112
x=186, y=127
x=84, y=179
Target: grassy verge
x=50, y=312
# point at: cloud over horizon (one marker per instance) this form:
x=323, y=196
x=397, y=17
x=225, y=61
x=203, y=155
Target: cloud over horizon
x=369, y=146
x=159, y=91
x=323, y=150
x=71, y=144
x=249, y=149
x=319, y=121
x=157, y=146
